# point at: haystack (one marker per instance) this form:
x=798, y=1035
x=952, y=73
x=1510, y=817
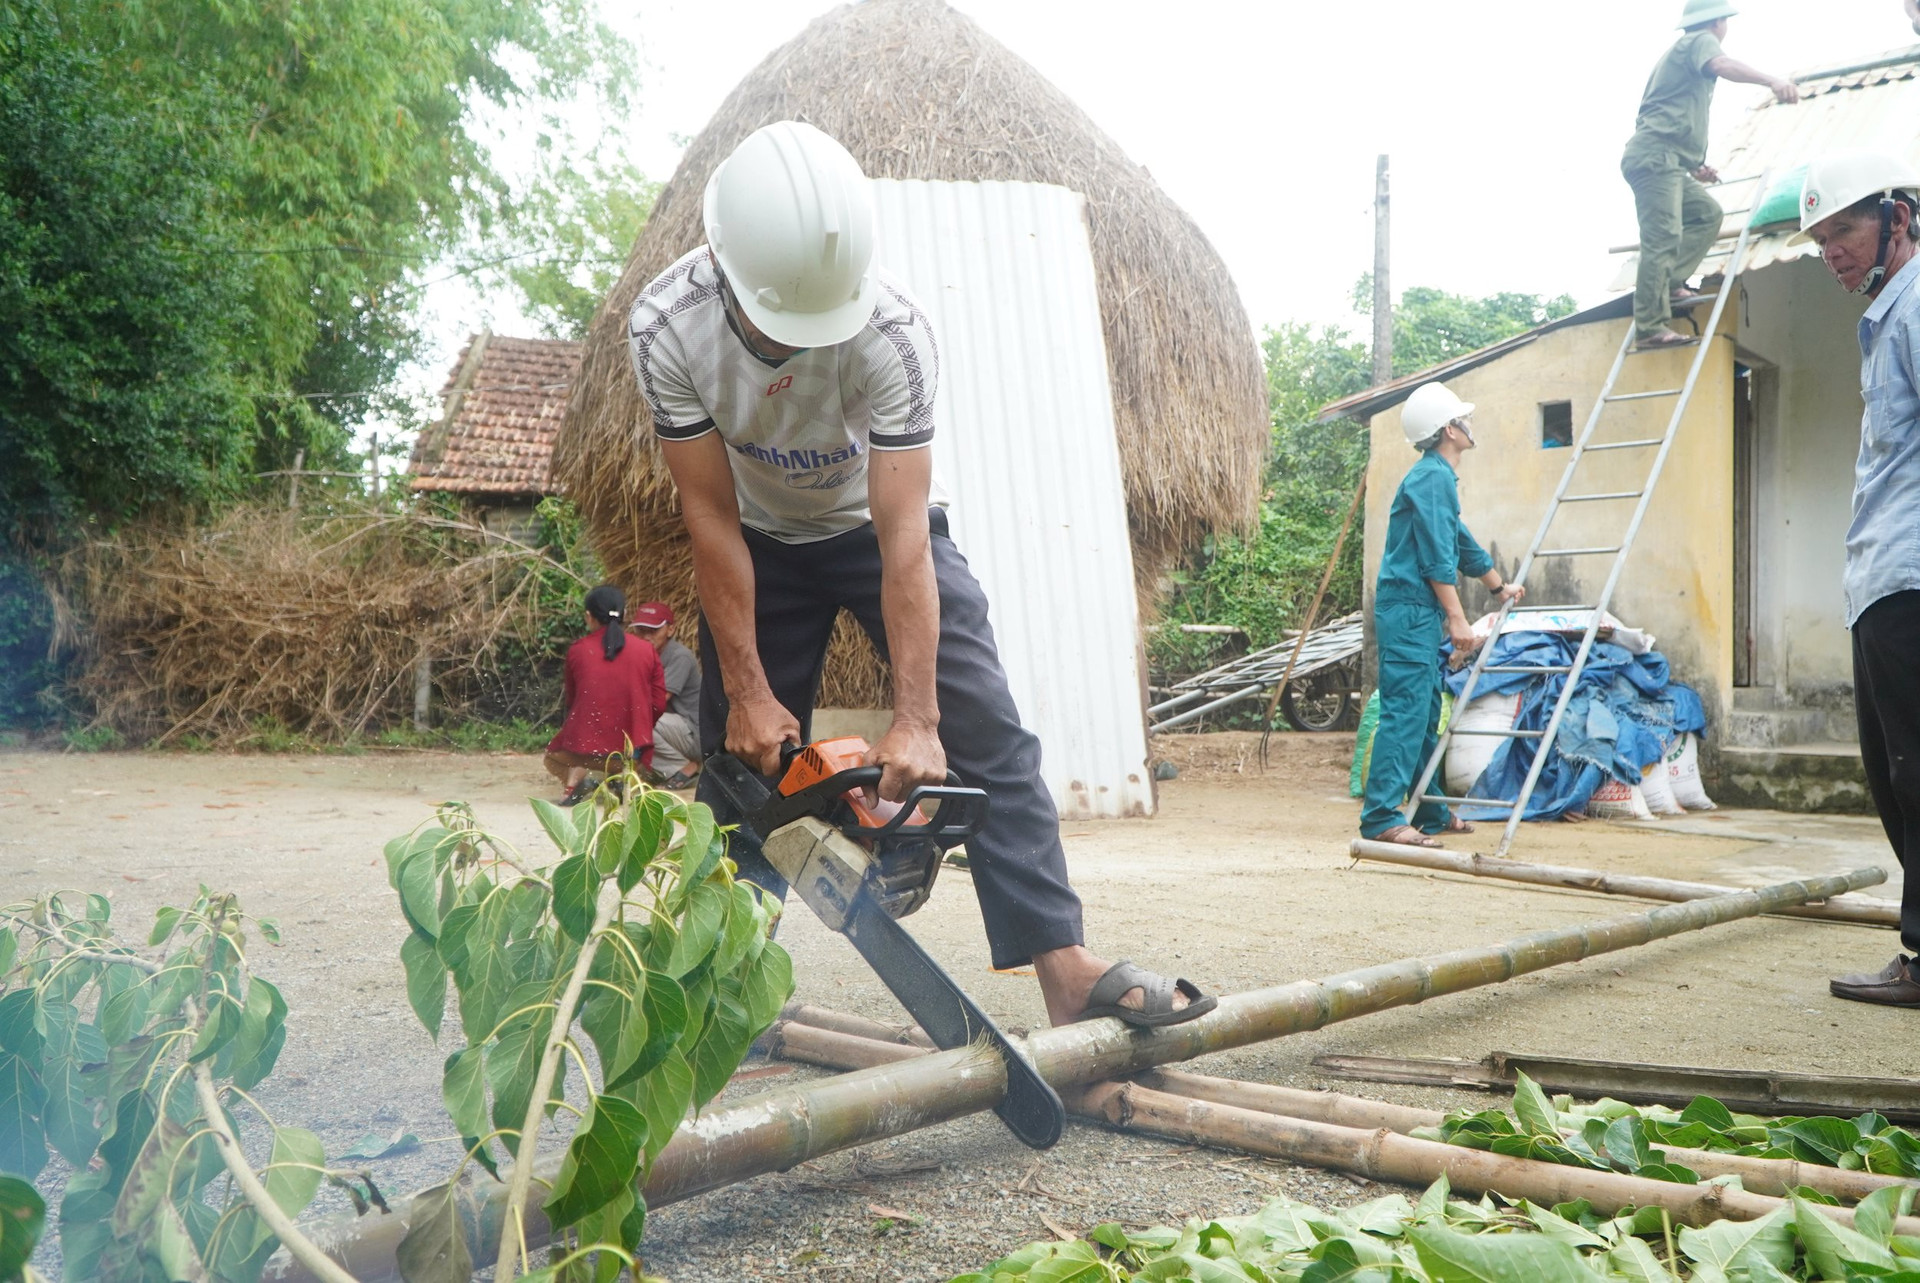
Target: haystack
x=915, y=90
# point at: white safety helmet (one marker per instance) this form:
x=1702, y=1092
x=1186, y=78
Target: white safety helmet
x=1846, y=178
x=1431, y=407
x=790, y=218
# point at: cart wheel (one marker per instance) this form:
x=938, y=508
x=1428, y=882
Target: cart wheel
x=1321, y=701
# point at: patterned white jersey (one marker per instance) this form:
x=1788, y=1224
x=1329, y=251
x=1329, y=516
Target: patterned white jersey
x=798, y=429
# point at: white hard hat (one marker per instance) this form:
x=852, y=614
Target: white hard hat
x=1696, y=13
x=790, y=218
x=1847, y=178
x=1431, y=407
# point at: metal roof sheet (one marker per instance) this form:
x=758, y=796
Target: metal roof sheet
x=1027, y=450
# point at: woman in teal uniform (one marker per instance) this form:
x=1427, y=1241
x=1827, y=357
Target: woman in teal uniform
x=1416, y=606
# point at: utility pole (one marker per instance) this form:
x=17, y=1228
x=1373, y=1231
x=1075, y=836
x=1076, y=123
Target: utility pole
x=1382, y=285
x=373, y=461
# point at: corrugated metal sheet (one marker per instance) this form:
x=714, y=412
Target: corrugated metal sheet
x=1873, y=107
x=1026, y=448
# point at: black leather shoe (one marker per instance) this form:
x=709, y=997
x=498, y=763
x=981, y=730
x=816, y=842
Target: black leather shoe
x=1895, y=985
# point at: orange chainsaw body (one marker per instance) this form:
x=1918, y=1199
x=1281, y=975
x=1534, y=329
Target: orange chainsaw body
x=824, y=759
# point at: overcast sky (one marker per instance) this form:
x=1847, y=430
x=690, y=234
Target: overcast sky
x=1504, y=120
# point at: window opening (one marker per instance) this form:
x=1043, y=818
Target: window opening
x=1556, y=424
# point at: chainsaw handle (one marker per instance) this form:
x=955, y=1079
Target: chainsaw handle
x=962, y=813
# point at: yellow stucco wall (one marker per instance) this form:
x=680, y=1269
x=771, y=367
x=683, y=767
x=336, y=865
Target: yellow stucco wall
x=1678, y=580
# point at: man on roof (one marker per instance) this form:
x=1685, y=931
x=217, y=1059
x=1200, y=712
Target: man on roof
x=1416, y=607
x=1860, y=209
x=1666, y=164
x=792, y=388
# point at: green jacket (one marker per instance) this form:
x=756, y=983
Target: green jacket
x=1427, y=543
x=1673, y=109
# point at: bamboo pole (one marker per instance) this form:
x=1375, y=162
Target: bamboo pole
x=1388, y=1156
x=790, y=1125
x=1865, y=910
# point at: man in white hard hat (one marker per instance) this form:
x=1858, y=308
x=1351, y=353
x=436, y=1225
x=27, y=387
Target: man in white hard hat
x=1416, y=607
x=1859, y=208
x=1666, y=162
x=792, y=390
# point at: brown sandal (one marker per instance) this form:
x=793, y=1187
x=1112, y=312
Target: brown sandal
x=1457, y=825
x=1407, y=835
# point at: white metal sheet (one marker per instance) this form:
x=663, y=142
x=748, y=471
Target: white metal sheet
x=1025, y=448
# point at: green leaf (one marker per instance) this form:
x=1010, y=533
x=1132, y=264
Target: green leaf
x=294, y=1172
x=644, y=832
x=1830, y=1245
x=145, y=1188
x=1633, y=1259
x=23, y=1144
x=1709, y=1112
x=372, y=1147
x=664, y=1008
x=559, y=826
x=68, y=1114
x=511, y=1067
x=164, y=923
x=576, y=888
x=1533, y=1109
x=1672, y=1173
x=123, y=1014
x=435, y=1247
x=1451, y=1257
x=706, y=916
x=723, y=1045
x=9, y=949
x=483, y=974
x=262, y=1033
x=1875, y=1214
x=22, y=1022
x=664, y=1096
x=1825, y=1141
x=426, y=981
x=222, y=1025
x=601, y=1161
x=269, y=930
x=463, y=1089
x=23, y=1216
x=769, y=985
x=694, y=842
x=420, y=892
x=1433, y=1203
x=1625, y=1141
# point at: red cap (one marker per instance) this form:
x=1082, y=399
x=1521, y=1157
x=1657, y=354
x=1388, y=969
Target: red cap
x=654, y=614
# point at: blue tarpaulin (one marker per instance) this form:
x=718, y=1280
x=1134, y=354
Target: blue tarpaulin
x=1625, y=713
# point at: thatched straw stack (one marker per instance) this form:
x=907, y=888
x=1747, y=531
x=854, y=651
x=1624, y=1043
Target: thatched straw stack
x=915, y=90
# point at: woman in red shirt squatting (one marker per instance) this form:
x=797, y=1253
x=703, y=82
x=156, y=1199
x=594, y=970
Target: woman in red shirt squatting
x=614, y=690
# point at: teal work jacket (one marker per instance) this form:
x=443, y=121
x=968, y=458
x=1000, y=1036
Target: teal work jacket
x=1427, y=543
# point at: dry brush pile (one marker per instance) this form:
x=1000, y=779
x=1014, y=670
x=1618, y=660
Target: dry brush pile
x=312, y=623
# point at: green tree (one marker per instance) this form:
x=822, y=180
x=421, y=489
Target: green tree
x=1432, y=326
x=573, y=231
x=355, y=161
x=119, y=319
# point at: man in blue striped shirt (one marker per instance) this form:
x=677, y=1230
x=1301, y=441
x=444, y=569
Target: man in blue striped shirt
x=1860, y=209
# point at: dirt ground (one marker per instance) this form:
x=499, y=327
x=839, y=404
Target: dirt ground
x=1241, y=881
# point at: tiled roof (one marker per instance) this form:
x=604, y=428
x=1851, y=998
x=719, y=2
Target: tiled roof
x=504, y=402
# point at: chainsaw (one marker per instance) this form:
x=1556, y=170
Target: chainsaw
x=862, y=865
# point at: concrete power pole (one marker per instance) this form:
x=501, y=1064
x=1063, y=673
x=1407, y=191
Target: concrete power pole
x=1382, y=285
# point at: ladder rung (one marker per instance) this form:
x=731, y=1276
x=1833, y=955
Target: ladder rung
x=1444, y=800
x=1696, y=300
x=1506, y=734
x=1558, y=610
x=1573, y=552
x=1627, y=445
x=1644, y=396
x=1524, y=668
x=1590, y=498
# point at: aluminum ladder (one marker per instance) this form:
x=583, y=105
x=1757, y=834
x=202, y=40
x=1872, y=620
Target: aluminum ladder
x=1582, y=447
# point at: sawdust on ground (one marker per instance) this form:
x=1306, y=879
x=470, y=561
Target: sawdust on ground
x=1241, y=881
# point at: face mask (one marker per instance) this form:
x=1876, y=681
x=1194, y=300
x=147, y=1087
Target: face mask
x=1466, y=430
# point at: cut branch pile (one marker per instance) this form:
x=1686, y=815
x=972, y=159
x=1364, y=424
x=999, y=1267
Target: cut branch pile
x=269, y=617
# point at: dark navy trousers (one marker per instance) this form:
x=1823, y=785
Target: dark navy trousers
x=1019, y=869
x=1886, y=695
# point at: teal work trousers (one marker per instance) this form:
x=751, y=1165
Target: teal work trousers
x=1408, y=637
x=1679, y=222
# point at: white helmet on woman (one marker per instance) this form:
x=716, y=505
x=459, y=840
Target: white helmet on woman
x=790, y=218
x=1431, y=407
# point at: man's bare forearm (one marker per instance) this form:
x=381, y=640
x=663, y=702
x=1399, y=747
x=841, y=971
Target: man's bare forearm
x=910, y=608
x=723, y=575
x=1449, y=597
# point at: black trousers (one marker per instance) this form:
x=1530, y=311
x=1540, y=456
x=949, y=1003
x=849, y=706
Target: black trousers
x=1019, y=869
x=1886, y=691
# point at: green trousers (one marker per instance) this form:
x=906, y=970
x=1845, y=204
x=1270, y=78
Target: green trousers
x=1408, y=637
x=1679, y=222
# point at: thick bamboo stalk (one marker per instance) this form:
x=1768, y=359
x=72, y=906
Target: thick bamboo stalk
x=1387, y=1156
x=1759, y=1175
x=858, y=1026
x=776, y=1130
x=1864, y=910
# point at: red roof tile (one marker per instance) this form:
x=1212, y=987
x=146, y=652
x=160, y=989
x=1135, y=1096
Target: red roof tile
x=499, y=438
